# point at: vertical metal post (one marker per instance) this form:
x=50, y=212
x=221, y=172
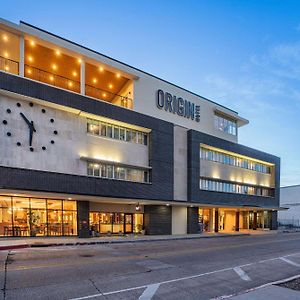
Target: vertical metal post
x=82, y=77
x=21, y=60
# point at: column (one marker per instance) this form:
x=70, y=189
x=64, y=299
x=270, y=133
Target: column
x=158, y=219
x=82, y=77
x=192, y=220
x=216, y=220
x=83, y=219
x=255, y=220
x=274, y=223
x=21, y=60
x=237, y=221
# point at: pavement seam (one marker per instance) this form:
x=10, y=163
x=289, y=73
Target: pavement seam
x=95, y=286
x=5, y=275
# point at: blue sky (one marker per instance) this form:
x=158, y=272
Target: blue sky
x=242, y=54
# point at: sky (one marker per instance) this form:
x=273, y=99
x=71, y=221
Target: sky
x=242, y=54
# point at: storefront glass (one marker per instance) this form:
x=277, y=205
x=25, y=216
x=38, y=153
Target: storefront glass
x=115, y=223
x=37, y=217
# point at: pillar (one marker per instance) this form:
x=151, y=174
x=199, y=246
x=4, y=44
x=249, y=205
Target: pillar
x=254, y=220
x=192, y=220
x=216, y=220
x=237, y=221
x=21, y=60
x=158, y=219
x=83, y=219
x=274, y=224
x=82, y=77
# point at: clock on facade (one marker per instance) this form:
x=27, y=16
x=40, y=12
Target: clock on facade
x=31, y=126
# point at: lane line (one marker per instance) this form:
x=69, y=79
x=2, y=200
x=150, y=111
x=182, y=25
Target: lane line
x=242, y=274
x=183, y=278
x=289, y=262
x=149, y=292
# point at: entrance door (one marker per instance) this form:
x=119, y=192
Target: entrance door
x=128, y=223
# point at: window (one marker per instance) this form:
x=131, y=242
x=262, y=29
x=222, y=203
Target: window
x=99, y=128
x=117, y=172
x=225, y=124
x=229, y=187
x=214, y=155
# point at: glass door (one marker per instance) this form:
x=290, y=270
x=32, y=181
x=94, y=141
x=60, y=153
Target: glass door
x=128, y=223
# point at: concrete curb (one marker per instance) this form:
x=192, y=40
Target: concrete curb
x=43, y=245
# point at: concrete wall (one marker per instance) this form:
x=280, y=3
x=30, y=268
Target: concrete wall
x=215, y=170
x=112, y=207
x=179, y=220
x=180, y=163
x=145, y=91
x=71, y=142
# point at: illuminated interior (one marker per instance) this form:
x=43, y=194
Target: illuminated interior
x=62, y=68
x=9, y=52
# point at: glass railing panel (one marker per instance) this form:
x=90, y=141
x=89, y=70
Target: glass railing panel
x=9, y=65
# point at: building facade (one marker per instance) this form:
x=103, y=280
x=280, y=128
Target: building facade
x=290, y=199
x=92, y=146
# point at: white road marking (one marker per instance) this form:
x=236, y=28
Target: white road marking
x=241, y=273
x=289, y=262
x=149, y=292
x=186, y=278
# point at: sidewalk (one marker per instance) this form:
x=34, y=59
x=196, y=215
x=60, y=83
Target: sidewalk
x=269, y=292
x=27, y=242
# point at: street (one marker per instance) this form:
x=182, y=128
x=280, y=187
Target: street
x=179, y=269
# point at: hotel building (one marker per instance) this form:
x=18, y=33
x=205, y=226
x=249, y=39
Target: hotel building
x=92, y=146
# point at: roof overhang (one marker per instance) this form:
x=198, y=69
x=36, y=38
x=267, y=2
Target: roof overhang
x=231, y=115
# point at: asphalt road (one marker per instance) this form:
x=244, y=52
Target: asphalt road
x=181, y=269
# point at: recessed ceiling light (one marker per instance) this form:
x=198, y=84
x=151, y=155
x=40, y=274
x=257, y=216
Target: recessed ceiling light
x=32, y=43
x=110, y=86
x=95, y=80
x=118, y=75
x=29, y=71
x=74, y=73
x=69, y=198
x=104, y=95
x=30, y=58
x=54, y=67
x=70, y=84
x=57, y=52
x=5, y=54
x=101, y=69
x=51, y=78
x=5, y=38
x=79, y=60
x=6, y=68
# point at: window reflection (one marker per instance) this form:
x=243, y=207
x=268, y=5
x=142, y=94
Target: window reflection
x=37, y=217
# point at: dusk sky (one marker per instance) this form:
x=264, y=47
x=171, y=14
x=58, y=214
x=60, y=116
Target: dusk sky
x=242, y=54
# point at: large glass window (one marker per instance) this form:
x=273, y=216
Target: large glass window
x=117, y=172
x=99, y=128
x=228, y=159
x=228, y=187
x=37, y=217
x=225, y=124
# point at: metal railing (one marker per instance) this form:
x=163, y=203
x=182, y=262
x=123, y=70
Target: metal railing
x=108, y=96
x=9, y=65
x=52, y=78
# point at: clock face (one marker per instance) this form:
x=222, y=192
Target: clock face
x=34, y=120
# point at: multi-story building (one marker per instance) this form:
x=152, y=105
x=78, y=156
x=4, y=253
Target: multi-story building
x=91, y=144
x=290, y=199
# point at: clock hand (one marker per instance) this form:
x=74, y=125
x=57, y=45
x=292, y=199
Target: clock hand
x=26, y=120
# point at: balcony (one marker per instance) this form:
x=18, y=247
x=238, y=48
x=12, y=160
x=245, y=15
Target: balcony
x=44, y=62
x=9, y=65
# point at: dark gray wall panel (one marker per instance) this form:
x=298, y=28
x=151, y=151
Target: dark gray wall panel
x=158, y=219
x=83, y=220
x=192, y=220
x=195, y=138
